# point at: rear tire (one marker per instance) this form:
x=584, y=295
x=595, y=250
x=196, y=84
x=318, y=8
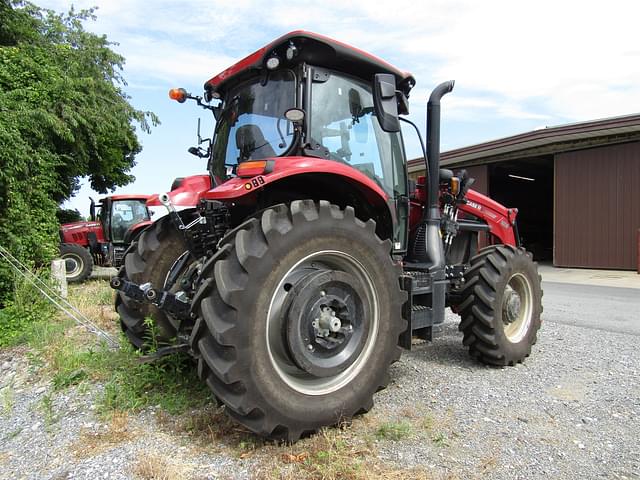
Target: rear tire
x=260, y=295
x=501, y=305
x=149, y=259
x=78, y=262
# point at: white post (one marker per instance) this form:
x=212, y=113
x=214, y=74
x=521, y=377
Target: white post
x=59, y=276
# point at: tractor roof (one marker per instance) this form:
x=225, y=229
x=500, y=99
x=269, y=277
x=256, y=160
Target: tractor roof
x=315, y=49
x=130, y=197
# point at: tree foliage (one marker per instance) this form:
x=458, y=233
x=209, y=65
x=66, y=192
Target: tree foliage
x=68, y=215
x=63, y=116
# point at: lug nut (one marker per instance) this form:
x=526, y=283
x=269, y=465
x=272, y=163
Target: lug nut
x=310, y=347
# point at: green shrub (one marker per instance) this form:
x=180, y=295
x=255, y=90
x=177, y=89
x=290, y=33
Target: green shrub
x=24, y=313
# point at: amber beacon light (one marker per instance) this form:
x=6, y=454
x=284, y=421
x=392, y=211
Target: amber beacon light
x=178, y=94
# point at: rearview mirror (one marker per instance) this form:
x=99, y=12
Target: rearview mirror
x=385, y=102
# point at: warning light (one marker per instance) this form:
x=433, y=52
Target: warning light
x=178, y=94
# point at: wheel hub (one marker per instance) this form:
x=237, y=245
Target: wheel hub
x=327, y=328
x=511, y=306
x=327, y=323
x=70, y=264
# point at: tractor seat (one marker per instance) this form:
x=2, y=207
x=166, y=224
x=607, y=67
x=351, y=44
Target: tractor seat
x=252, y=144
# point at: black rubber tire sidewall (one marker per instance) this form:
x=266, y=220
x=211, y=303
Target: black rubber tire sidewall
x=523, y=265
x=480, y=307
x=272, y=389
x=149, y=259
x=84, y=257
x=284, y=407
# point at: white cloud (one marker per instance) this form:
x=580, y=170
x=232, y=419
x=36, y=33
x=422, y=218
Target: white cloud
x=565, y=60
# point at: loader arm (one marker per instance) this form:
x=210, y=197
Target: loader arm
x=501, y=220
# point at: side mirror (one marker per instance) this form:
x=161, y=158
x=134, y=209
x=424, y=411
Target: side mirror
x=385, y=101
x=92, y=210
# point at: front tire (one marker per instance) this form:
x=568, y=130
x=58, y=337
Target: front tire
x=149, y=259
x=501, y=305
x=299, y=315
x=77, y=261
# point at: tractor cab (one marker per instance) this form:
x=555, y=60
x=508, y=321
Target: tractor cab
x=308, y=102
x=119, y=213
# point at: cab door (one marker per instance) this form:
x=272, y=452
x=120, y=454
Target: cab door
x=342, y=121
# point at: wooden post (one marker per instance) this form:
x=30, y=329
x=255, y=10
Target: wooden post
x=59, y=276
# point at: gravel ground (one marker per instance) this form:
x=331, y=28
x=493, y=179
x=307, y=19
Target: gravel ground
x=571, y=411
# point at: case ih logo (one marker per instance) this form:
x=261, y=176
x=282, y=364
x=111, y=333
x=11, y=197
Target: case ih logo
x=474, y=205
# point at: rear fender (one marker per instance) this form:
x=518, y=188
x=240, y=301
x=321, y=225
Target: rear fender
x=501, y=220
x=296, y=178
x=135, y=230
x=237, y=188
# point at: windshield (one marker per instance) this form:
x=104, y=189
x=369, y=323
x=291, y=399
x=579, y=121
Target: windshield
x=252, y=124
x=125, y=214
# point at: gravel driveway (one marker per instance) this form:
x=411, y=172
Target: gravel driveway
x=571, y=411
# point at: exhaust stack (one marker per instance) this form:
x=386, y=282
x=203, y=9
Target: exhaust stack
x=427, y=247
x=434, y=251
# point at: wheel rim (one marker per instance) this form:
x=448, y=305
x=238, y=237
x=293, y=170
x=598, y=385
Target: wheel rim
x=327, y=305
x=72, y=264
x=517, y=307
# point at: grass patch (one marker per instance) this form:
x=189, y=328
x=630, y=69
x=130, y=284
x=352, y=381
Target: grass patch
x=91, y=443
x=210, y=428
x=328, y=454
x=70, y=355
x=13, y=434
x=333, y=453
x=7, y=400
x=440, y=439
x=170, y=383
x=427, y=423
x=394, y=431
x=151, y=466
x=48, y=412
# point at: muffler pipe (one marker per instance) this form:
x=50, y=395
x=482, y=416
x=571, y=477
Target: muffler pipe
x=433, y=244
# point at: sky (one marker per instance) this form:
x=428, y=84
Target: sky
x=518, y=65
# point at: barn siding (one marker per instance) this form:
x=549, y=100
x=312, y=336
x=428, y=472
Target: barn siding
x=597, y=207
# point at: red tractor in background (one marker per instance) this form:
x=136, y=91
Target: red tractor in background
x=103, y=240
x=307, y=259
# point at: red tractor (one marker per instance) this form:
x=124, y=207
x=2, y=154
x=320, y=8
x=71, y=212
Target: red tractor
x=308, y=259
x=103, y=241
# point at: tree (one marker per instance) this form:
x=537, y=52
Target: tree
x=68, y=215
x=63, y=115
